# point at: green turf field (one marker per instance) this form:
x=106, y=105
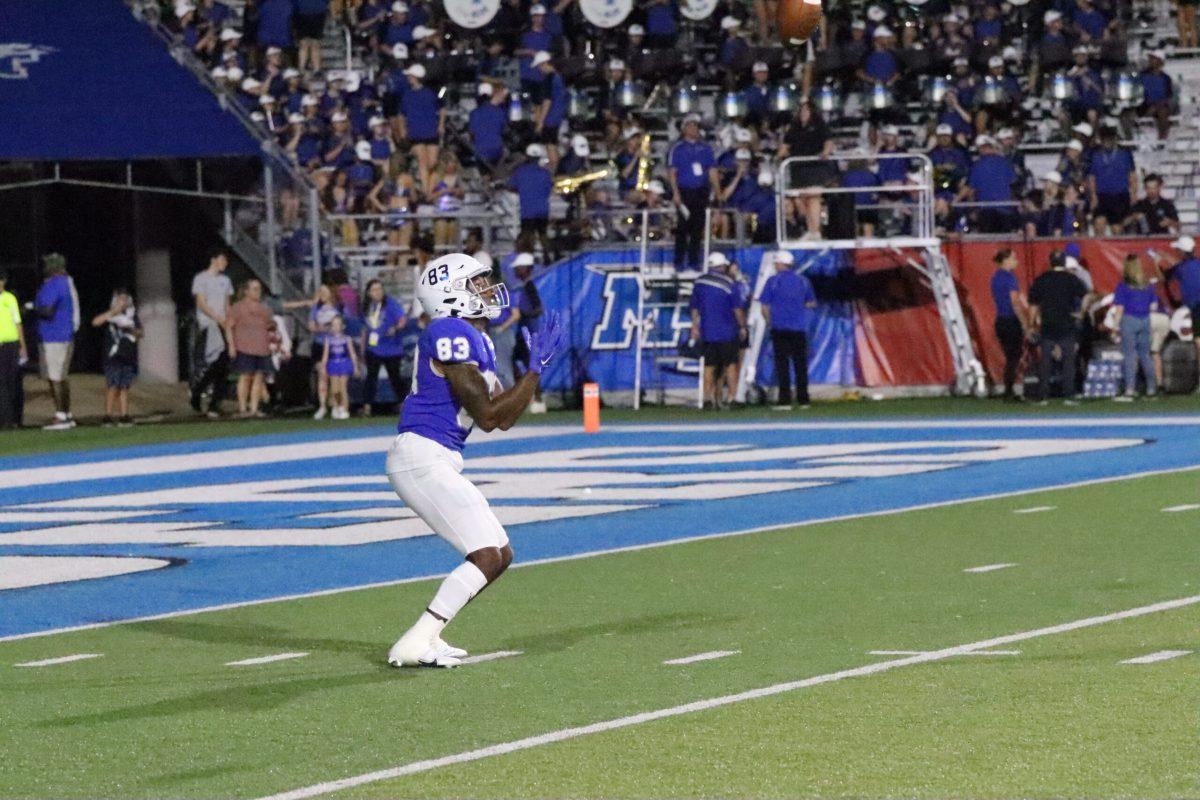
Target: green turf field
x=160, y=715
x=86, y=437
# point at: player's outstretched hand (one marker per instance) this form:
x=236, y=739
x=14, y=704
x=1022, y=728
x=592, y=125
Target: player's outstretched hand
x=544, y=344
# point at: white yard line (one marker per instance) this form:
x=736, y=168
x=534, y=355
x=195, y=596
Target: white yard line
x=1185, y=507
x=250, y=662
x=988, y=568
x=716, y=702
x=491, y=656
x=49, y=662
x=1161, y=655
x=1034, y=510
x=593, y=553
x=709, y=656
x=922, y=652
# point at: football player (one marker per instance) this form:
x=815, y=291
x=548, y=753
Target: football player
x=455, y=388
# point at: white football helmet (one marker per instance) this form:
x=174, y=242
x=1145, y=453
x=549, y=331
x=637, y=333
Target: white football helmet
x=447, y=287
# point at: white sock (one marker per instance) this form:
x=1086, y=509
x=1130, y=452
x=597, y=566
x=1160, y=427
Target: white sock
x=456, y=591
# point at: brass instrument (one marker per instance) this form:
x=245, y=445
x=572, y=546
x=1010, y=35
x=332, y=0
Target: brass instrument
x=568, y=184
x=643, y=173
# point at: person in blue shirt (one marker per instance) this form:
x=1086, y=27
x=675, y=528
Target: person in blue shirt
x=859, y=176
x=758, y=95
x=275, y=23
x=662, y=24
x=1112, y=183
x=1185, y=278
x=1012, y=311
x=384, y=319
x=951, y=163
x=454, y=389
x=487, y=123
x=1158, y=93
x=1089, y=21
x=533, y=183
x=991, y=180
x=881, y=65
x=735, y=53
x=761, y=206
x=1133, y=301
x=1089, y=87
x=424, y=121
x=787, y=306
x=398, y=29
x=533, y=41
x=338, y=150
x=57, y=308
x=694, y=178
x=718, y=325
x=553, y=108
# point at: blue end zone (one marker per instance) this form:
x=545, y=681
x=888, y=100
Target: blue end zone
x=205, y=576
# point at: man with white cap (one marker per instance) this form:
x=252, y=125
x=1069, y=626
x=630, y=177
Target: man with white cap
x=576, y=159
x=1184, y=279
x=424, y=121
x=339, y=143
x=718, y=325
x=758, y=94
x=735, y=53
x=1112, y=183
x=629, y=161
x=951, y=163
x=399, y=28
x=787, y=302
x=535, y=39
x=881, y=66
x=487, y=123
x=533, y=184
x=991, y=181
x=694, y=178
x=1158, y=92
x=552, y=110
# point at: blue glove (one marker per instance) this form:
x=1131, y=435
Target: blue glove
x=545, y=343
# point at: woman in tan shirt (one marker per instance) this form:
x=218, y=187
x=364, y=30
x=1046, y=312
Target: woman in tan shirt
x=249, y=324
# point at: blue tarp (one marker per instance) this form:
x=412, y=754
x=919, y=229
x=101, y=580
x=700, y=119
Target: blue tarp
x=597, y=293
x=85, y=80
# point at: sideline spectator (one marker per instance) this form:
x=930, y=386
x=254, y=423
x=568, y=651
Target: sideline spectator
x=57, y=307
x=211, y=289
x=385, y=319
x=249, y=326
x=528, y=303
x=1185, y=275
x=1012, y=311
x=1158, y=93
x=787, y=302
x=718, y=324
x=1133, y=302
x=1153, y=214
x=808, y=135
x=13, y=355
x=1054, y=300
x=121, y=333
x=339, y=363
x=320, y=317
x=694, y=178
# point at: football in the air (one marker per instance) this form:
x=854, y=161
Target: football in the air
x=798, y=19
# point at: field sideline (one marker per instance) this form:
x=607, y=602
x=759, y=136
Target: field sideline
x=938, y=624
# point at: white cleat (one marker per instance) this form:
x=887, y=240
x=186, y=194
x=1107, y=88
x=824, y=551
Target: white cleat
x=449, y=650
x=411, y=652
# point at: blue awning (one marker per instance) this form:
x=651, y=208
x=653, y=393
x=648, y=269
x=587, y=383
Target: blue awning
x=85, y=80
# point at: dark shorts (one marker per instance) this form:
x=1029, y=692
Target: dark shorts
x=1195, y=309
x=549, y=134
x=310, y=26
x=1113, y=207
x=535, y=225
x=318, y=353
x=720, y=355
x=419, y=140
x=246, y=364
x=118, y=374
x=802, y=174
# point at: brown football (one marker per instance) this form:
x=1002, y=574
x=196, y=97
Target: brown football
x=798, y=19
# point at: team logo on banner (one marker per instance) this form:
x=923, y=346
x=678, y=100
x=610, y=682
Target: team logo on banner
x=15, y=58
x=697, y=10
x=606, y=13
x=472, y=13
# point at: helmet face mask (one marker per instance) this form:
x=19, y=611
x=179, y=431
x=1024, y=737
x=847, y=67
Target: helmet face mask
x=457, y=285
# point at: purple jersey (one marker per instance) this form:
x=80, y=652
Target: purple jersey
x=430, y=410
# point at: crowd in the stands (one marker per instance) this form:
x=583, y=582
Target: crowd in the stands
x=439, y=120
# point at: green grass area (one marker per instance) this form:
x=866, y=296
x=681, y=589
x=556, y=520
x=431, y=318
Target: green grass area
x=34, y=440
x=159, y=715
